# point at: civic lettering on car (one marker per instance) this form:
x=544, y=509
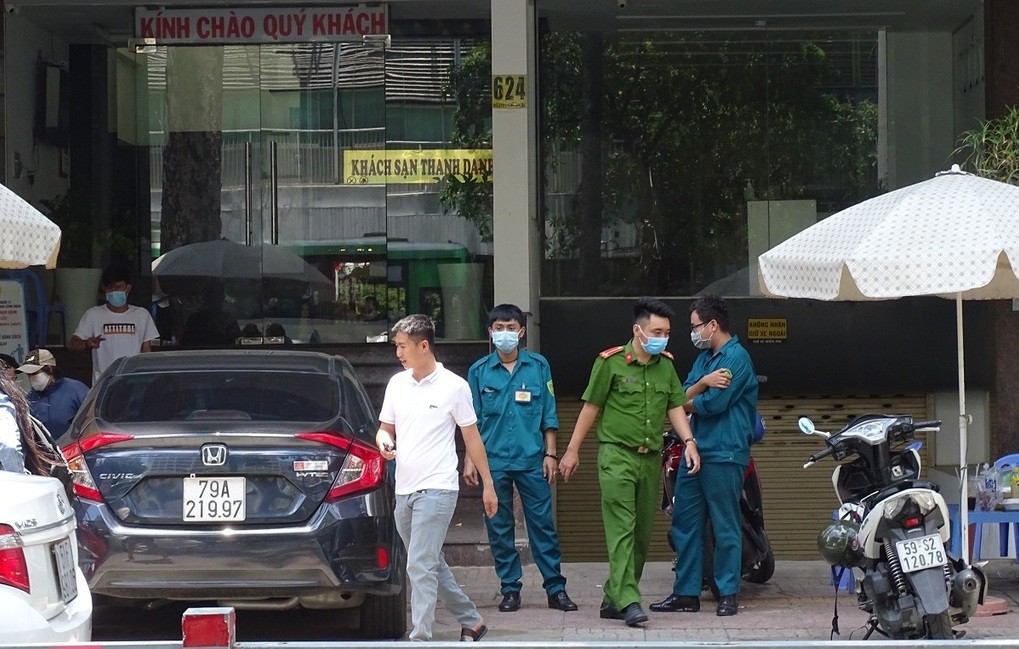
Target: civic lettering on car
x=119, y=476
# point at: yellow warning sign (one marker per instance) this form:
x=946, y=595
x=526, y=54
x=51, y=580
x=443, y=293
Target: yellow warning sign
x=766, y=330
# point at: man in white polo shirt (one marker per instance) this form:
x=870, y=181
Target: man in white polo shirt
x=420, y=412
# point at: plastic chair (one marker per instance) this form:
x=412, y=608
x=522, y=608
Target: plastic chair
x=1007, y=461
x=37, y=307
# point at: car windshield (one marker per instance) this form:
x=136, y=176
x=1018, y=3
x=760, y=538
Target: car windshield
x=221, y=395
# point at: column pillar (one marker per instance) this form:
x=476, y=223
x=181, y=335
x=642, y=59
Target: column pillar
x=517, y=244
x=1001, y=52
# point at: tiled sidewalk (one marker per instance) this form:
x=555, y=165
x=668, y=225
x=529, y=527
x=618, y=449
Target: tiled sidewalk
x=797, y=604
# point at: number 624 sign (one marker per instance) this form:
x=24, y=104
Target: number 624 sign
x=509, y=91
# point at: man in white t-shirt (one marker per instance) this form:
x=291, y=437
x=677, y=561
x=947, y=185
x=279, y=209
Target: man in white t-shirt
x=420, y=412
x=115, y=329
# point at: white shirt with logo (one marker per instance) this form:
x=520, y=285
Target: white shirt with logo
x=123, y=334
x=425, y=414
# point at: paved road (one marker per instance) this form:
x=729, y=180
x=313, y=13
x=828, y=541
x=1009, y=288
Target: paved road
x=796, y=605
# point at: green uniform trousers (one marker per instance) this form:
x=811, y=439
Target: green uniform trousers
x=629, y=500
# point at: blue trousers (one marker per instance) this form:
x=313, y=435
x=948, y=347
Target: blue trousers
x=536, y=498
x=713, y=491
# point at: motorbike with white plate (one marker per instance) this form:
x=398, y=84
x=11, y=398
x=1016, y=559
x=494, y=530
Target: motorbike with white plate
x=894, y=528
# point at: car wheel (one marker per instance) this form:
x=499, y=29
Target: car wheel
x=384, y=617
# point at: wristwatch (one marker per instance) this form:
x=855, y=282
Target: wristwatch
x=691, y=440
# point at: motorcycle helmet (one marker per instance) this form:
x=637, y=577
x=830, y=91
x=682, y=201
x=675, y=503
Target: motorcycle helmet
x=839, y=545
x=759, y=428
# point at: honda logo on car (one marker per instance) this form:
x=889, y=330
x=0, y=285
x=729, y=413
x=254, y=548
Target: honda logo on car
x=214, y=454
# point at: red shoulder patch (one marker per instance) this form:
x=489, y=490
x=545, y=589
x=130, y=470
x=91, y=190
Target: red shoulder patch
x=668, y=355
x=611, y=351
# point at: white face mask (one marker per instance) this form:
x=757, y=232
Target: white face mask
x=39, y=381
x=698, y=342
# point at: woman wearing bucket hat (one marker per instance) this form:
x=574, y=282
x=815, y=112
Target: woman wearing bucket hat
x=23, y=446
x=54, y=399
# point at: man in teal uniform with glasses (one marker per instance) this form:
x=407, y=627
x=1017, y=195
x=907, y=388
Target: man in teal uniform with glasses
x=634, y=387
x=722, y=388
x=515, y=403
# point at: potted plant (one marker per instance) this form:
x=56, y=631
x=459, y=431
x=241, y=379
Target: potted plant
x=991, y=150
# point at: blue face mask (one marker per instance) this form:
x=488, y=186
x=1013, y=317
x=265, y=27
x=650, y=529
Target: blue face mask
x=117, y=298
x=654, y=346
x=505, y=341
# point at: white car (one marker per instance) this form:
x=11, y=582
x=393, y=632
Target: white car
x=43, y=594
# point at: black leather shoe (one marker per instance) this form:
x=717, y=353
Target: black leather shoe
x=609, y=612
x=727, y=605
x=510, y=602
x=633, y=615
x=561, y=601
x=673, y=603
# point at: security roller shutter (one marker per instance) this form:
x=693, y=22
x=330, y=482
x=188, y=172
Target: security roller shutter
x=797, y=501
x=578, y=503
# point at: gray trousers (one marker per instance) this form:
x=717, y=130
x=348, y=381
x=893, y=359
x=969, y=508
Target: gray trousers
x=422, y=519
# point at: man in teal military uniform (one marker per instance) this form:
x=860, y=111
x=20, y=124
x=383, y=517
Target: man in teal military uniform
x=722, y=388
x=634, y=388
x=515, y=403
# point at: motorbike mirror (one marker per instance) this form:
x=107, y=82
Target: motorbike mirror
x=807, y=427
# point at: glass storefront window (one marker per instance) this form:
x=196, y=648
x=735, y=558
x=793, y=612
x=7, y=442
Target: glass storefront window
x=672, y=159
x=307, y=179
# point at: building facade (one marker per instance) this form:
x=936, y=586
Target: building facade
x=360, y=162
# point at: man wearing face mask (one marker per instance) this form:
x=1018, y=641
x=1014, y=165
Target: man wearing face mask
x=54, y=399
x=114, y=329
x=515, y=402
x=634, y=387
x=722, y=391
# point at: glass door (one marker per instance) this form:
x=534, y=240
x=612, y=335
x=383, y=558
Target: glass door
x=256, y=237
x=321, y=102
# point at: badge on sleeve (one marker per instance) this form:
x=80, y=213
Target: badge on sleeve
x=551, y=390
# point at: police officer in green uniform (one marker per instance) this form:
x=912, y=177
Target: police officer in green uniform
x=633, y=388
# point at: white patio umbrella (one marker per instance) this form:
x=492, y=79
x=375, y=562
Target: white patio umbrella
x=27, y=236
x=954, y=236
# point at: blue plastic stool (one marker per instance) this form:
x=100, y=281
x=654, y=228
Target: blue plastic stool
x=847, y=582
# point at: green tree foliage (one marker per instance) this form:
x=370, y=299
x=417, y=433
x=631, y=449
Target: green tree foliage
x=468, y=89
x=688, y=128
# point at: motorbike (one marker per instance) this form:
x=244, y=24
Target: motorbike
x=893, y=527
x=758, y=560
